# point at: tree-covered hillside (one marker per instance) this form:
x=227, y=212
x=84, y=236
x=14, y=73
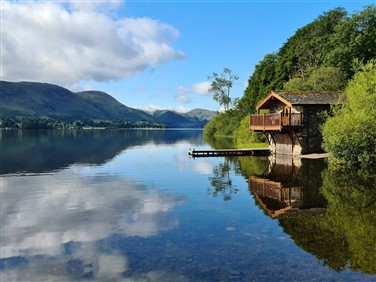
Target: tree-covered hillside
x=44, y=100
x=321, y=56
x=34, y=105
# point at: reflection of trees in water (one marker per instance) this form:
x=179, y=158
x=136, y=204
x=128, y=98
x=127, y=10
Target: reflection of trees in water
x=345, y=236
x=221, y=181
x=219, y=143
x=352, y=199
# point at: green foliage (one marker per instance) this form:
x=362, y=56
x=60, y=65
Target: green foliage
x=354, y=38
x=350, y=135
x=296, y=84
x=307, y=48
x=351, y=198
x=323, y=79
x=223, y=124
x=244, y=136
x=231, y=124
x=262, y=81
x=326, y=79
x=221, y=85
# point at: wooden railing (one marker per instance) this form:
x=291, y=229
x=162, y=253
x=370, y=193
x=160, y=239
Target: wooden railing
x=275, y=121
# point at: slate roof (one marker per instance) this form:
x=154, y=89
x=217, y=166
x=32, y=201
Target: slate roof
x=310, y=98
x=291, y=99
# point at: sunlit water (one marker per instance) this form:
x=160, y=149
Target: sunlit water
x=132, y=206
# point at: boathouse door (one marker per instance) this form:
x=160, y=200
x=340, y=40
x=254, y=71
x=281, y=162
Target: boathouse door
x=286, y=116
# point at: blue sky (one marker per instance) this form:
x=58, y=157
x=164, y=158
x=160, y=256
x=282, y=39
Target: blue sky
x=148, y=54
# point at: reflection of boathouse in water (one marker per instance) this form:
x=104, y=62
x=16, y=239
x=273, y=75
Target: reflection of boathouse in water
x=288, y=188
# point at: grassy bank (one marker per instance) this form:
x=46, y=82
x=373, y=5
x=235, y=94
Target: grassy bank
x=221, y=128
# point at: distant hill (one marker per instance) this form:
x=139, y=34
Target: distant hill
x=201, y=114
x=43, y=100
x=197, y=118
x=173, y=119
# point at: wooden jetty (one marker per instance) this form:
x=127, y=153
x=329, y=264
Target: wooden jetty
x=229, y=152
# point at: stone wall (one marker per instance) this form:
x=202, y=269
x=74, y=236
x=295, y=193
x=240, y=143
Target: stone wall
x=310, y=136
x=286, y=143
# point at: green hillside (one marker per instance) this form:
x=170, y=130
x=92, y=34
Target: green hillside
x=35, y=100
x=43, y=100
x=31, y=99
x=200, y=114
x=110, y=107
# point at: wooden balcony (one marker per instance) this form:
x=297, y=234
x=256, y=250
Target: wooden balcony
x=276, y=121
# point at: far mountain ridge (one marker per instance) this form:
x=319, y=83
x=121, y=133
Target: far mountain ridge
x=193, y=118
x=44, y=100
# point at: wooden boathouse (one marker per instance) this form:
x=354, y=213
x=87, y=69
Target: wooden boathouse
x=292, y=121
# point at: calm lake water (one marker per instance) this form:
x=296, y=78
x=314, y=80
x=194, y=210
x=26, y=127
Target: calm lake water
x=132, y=206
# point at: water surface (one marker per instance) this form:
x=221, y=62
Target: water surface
x=131, y=205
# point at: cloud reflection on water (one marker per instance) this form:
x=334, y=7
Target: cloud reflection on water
x=43, y=214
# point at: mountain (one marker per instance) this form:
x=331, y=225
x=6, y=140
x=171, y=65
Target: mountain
x=201, y=114
x=197, y=118
x=36, y=100
x=109, y=106
x=43, y=100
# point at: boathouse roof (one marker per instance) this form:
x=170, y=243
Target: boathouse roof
x=291, y=99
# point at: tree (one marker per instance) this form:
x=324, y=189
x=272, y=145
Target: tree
x=308, y=47
x=354, y=39
x=350, y=135
x=221, y=85
x=262, y=81
x=322, y=79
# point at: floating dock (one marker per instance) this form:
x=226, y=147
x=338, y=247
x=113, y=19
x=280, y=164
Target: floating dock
x=229, y=152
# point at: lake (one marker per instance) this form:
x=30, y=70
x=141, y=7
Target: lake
x=130, y=205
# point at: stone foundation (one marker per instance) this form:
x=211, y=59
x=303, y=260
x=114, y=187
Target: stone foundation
x=304, y=140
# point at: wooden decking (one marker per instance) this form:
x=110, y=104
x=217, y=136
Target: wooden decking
x=276, y=121
x=229, y=152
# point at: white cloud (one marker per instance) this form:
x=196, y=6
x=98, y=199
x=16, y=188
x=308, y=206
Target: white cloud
x=200, y=88
x=181, y=98
x=198, y=166
x=50, y=42
x=153, y=108
x=203, y=167
x=107, y=5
